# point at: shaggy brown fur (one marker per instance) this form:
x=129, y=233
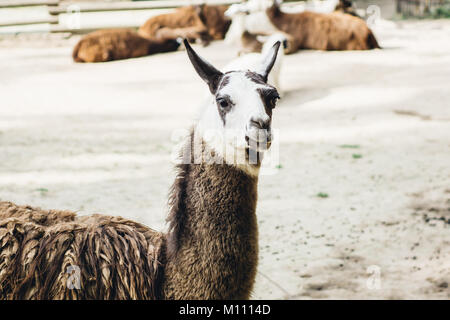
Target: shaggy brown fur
x=212, y=245
x=333, y=31
x=212, y=222
x=116, y=44
x=118, y=258
x=202, y=22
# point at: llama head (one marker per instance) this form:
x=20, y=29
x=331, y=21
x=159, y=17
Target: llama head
x=236, y=9
x=237, y=121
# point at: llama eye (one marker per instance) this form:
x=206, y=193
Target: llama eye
x=222, y=103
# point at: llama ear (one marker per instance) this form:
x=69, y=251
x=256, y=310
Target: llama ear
x=205, y=70
x=269, y=61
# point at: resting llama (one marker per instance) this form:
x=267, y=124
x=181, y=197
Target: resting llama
x=333, y=31
x=202, y=22
x=211, y=248
x=311, y=30
x=257, y=23
x=248, y=42
x=117, y=44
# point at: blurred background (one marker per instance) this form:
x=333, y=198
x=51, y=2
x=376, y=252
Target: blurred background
x=59, y=15
x=358, y=205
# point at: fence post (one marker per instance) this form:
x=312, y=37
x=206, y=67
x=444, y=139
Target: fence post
x=55, y=4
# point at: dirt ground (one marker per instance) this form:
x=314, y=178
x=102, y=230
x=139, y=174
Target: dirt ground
x=358, y=206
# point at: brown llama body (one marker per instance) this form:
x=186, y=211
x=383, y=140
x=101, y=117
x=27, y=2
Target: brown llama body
x=40, y=251
x=217, y=229
x=117, y=44
x=333, y=31
x=202, y=22
x=211, y=253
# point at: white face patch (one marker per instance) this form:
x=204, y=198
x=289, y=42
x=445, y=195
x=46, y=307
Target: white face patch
x=237, y=120
x=246, y=101
x=227, y=128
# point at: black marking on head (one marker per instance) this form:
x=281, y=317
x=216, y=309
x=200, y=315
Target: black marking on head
x=269, y=97
x=223, y=82
x=223, y=110
x=255, y=77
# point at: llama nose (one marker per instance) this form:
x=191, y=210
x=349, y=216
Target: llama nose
x=260, y=123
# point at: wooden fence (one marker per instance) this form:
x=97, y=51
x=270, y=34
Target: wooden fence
x=55, y=8
x=419, y=8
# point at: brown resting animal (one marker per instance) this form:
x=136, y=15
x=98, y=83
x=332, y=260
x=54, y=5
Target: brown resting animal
x=203, y=22
x=332, y=31
x=117, y=44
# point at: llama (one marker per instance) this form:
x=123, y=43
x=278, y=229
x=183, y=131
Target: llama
x=211, y=248
x=253, y=60
x=333, y=31
x=249, y=42
x=201, y=22
x=116, y=44
x=237, y=35
x=309, y=30
x=247, y=21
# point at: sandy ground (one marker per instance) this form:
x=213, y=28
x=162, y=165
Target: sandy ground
x=367, y=131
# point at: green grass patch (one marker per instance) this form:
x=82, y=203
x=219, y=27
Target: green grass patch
x=357, y=156
x=43, y=191
x=350, y=146
x=322, y=195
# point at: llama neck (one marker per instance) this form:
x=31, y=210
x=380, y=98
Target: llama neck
x=212, y=245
